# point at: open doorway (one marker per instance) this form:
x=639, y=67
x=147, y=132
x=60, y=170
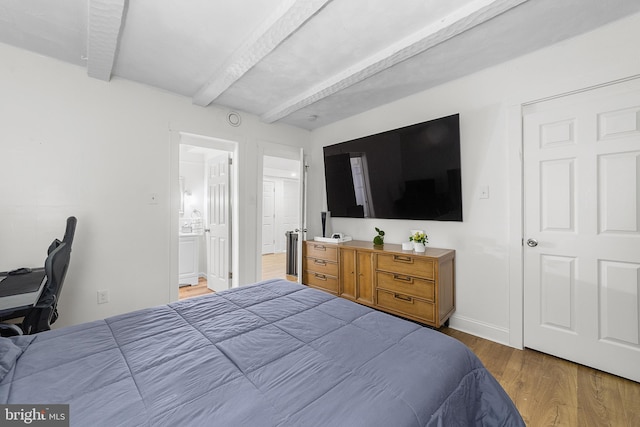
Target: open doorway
x=281, y=217
x=205, y=243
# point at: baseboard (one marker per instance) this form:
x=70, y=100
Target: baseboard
x=480, y=329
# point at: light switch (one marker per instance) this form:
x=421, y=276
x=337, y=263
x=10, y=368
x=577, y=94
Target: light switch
x=484, y=192
x=103, y=296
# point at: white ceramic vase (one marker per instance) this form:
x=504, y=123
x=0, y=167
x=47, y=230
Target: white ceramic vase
x=419, y=247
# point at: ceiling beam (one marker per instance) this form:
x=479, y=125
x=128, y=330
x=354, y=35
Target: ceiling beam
x=289, y=16
x=463, y=19
x=105, y=21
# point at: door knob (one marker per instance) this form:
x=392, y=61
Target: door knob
x=532, y=243
x=207, y=230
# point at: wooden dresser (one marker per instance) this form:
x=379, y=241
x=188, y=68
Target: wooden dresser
x=320, y=266
x=417, y=286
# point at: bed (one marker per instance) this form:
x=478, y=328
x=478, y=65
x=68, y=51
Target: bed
x=275, y=353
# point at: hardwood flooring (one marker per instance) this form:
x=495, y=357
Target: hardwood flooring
x=273, y=266
x=194, y=290
x=549, y=391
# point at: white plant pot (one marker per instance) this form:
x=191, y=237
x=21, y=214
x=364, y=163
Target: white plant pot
x=419, y=247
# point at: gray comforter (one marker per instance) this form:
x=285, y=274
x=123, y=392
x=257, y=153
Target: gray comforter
x=271, y=354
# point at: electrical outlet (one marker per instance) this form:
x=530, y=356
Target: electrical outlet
x=103, y=296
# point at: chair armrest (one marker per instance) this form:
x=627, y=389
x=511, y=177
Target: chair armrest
x=9, y=330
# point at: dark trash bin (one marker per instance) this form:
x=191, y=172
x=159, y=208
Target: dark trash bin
x=292, y=253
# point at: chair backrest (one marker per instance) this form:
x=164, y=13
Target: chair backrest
x=45, y=312
x=69, y=233
x=41, y=315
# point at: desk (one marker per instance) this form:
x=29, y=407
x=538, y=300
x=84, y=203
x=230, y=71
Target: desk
x=20, y=291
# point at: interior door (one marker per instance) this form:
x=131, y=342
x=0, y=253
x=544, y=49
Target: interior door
x=290, y=209
x=218, y=231
x=582, y=233
x=268, y=217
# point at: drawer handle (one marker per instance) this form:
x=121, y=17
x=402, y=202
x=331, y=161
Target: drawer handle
x=401, y=258
x=402, y=297
x=320, y=247
x=319, y=262
x=402, y=278
x=320, y=276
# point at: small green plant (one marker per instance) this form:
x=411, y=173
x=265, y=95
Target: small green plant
x=379, y=239
x=419, y=237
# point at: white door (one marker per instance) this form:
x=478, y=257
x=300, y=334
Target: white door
x=582, y=228
x=219, y=223
x=268, y=217
x=290, y=209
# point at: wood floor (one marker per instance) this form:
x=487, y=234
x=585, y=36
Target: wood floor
x=553, y=392
x=273, y=266
x=546, y=390
x=194, y=290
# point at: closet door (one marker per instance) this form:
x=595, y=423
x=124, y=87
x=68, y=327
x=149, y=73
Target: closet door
x=582, y=228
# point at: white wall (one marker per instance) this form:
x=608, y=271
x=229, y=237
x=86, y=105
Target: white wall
x=487, y=243
x=72, y=145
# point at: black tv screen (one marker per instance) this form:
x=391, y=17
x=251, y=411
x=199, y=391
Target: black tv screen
x=407, y=173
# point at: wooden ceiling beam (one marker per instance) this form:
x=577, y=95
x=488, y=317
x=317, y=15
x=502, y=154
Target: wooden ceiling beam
x=463, y=19
x=289, y=16
x=105, y=22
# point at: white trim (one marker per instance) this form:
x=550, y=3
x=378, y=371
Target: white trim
x=516, y=226
x=480, y=329
x=582, y=90
x=174, y=206
x=177, y=138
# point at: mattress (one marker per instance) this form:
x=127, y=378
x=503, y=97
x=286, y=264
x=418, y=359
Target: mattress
x=275, y=353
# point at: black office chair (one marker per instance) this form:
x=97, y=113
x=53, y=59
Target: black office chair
x=44, y=313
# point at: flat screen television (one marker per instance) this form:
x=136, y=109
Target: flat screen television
x=408, y=173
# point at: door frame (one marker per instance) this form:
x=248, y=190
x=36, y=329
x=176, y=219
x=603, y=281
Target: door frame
x=288, y=152
x=515, y=156
x=177, y=138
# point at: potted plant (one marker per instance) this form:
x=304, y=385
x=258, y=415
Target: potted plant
x=419, y=240
x=379, y=239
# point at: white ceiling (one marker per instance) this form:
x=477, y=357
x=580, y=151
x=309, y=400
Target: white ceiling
x=307, y=63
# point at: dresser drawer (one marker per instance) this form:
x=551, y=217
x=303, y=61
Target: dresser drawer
x=322, y=266
x=407, y=285
x=406, y=305
x=410, y=265
x=319, y=250
x=322, y=281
